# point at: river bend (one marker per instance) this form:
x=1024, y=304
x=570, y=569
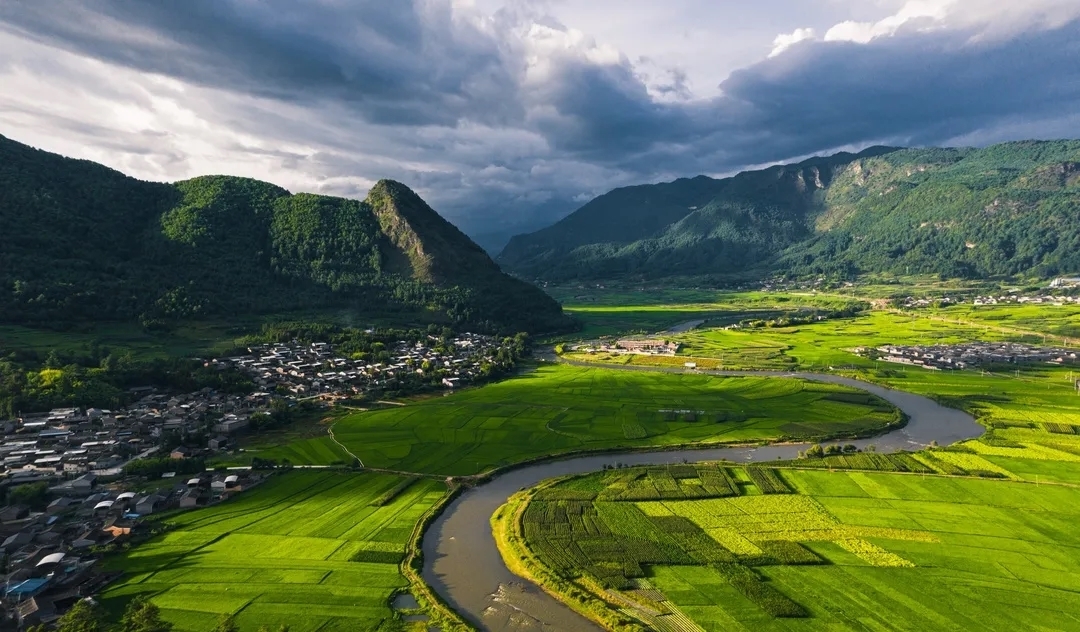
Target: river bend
x=463, y=564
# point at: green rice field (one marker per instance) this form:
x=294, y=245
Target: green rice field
x=1054, y=320
x=610, y=312
x=960, y=539
x=559, y=408
x=306, y=549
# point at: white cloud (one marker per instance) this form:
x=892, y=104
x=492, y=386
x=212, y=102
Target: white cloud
x=925, y=11
x=785, y=41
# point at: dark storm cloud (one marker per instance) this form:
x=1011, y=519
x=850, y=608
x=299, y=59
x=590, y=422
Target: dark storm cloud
x=912, y=88
x=400, y=62
x=517, y=113
x=921, y=88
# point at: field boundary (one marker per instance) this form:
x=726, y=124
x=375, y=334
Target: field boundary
x=341, y=445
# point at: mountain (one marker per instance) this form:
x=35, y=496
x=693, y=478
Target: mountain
x=84, y=242
x=1002, y=210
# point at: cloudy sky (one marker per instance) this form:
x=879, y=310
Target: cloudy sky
x=503, y=113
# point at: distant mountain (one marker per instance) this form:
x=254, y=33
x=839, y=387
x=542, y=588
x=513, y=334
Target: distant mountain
x=1009, y=209
x=82, y=242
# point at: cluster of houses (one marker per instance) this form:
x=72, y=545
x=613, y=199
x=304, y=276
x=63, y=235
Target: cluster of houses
x=1013, y=297
x=316, y=370
x=69, y=442
x=50, y=544
x=969, y=355
x=645, y=346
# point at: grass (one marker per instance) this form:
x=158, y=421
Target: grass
x=559, y=409
x=307, y=549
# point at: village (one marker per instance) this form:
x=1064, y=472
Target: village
x=1013, y=297
x=71, y=496
x=80, y=481
x=316, y=371
x=970, y=355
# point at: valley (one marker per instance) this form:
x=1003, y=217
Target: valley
x=756, y=394
x=830, y=451
x=530, y=316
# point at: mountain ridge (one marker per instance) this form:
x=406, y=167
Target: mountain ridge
x=844, y=214
x=86, y=242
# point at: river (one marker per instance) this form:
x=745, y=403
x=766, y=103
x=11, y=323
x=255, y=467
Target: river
x=463, y=565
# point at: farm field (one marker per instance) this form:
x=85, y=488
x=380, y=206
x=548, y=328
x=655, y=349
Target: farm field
x=306, y=549
x=559, y=408
x=1035, y=395
x=827, y=343
x=611, y=312
x=946, y=539
x=1055, y=320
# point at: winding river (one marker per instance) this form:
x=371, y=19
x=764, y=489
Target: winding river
x=462, y=563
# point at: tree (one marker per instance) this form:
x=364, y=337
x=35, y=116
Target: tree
x=227, y=624
x=815, y=452
x=83, y=617
x=143, y=616
x=35, y=495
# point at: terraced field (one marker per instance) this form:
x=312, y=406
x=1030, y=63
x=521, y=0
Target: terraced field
x=966, y=538
x=559, y=408
x=307, y=549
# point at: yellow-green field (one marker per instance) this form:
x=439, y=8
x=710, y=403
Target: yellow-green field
x=306, y=549
x=967, y=538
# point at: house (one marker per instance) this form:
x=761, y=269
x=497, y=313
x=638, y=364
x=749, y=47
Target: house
x=17, y=540
x=181, y=453
x=60, y=505
x=13, y=513
x=148, y=504
x=190, y=499
x=84, y=541
x=33, y=610
x=84, y=483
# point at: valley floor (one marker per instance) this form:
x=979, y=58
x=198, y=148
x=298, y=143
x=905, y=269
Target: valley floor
x=975, y=537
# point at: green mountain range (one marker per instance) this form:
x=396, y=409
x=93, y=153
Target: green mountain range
x=83, y=242
x=1009, y=209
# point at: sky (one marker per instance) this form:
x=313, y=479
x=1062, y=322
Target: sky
x=505, y=114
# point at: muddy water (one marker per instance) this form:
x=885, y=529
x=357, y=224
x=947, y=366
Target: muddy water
x=462, y=563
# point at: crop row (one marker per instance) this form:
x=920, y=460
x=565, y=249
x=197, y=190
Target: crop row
x=872, y=461
x=768, y=480
x=662, y=483
x=389, y=495
x=754, y=588
x=786, y=552
x=634, y=430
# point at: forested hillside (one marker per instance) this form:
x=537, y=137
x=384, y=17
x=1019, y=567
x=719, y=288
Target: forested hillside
x=83, y=242
x=1004, y=210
